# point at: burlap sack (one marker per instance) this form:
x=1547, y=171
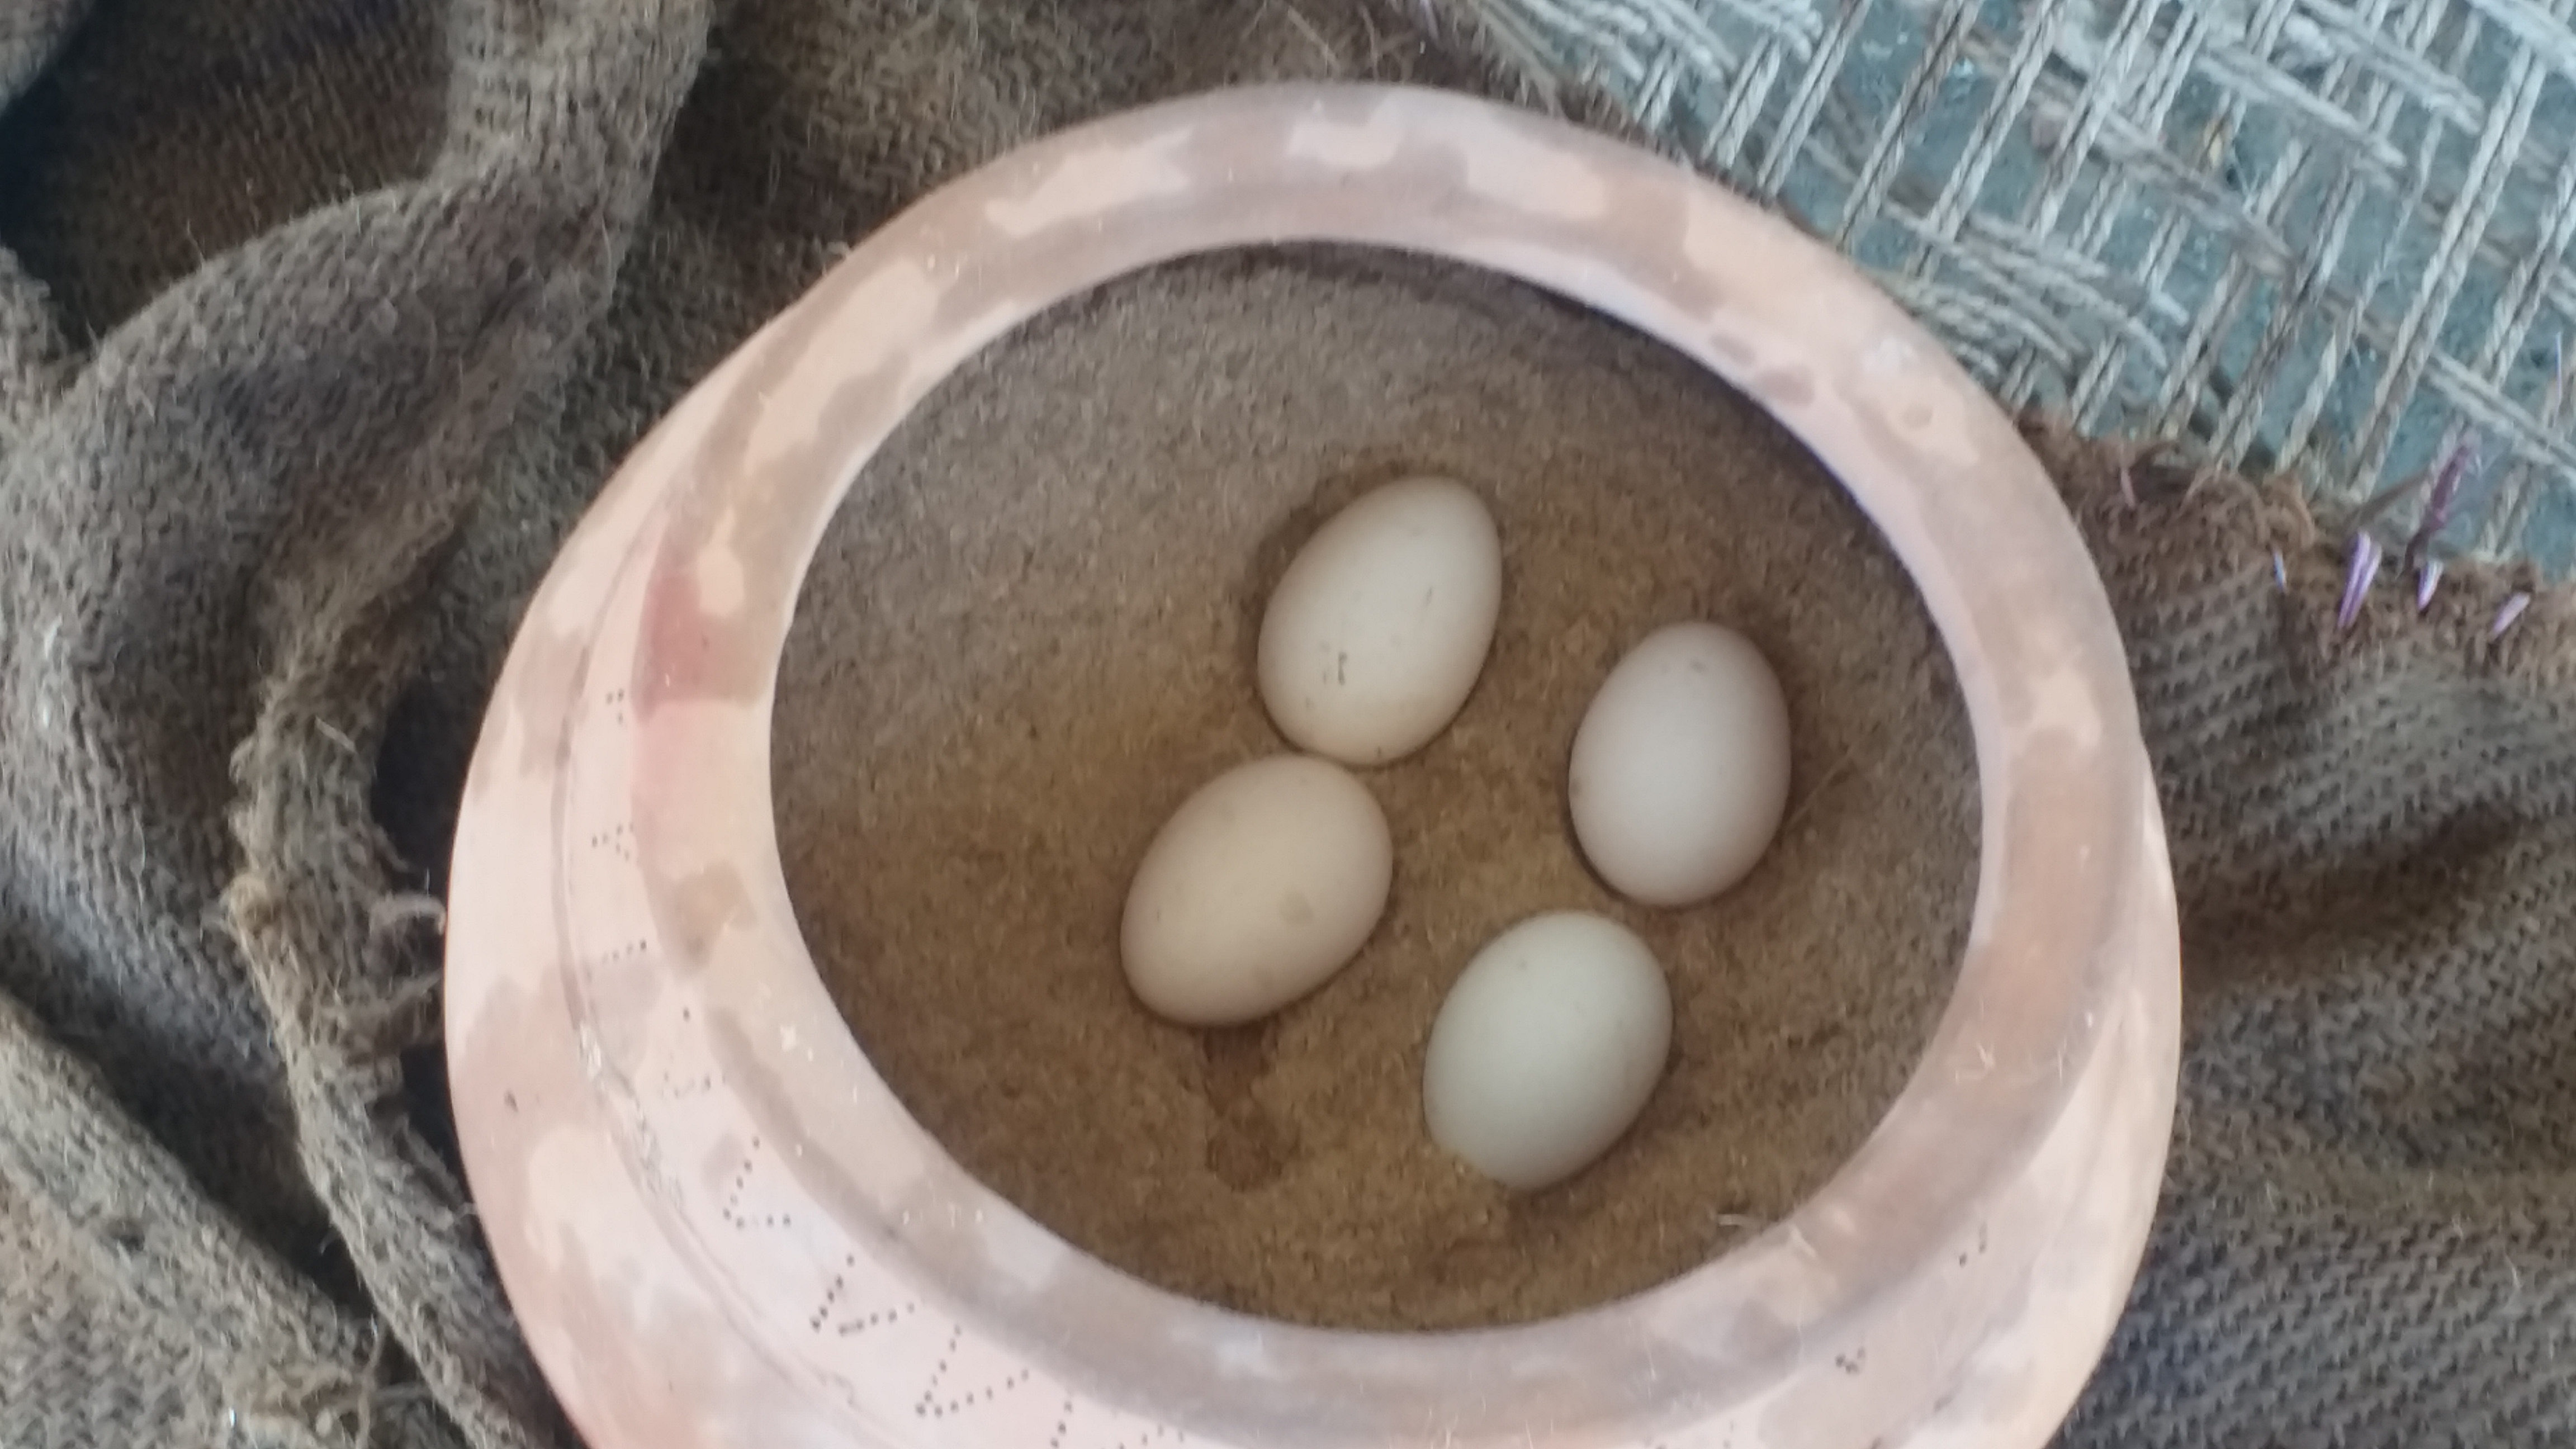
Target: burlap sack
x=321, y=319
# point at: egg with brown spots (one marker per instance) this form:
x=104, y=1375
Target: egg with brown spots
x=1375, y=636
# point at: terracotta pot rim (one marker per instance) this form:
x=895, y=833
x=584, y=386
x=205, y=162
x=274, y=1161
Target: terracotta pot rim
x=762, y=1167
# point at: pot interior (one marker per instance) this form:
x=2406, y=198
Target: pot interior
x=1029, y=635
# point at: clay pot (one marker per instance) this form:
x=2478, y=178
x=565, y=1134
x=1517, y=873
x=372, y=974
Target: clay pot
x=718, y=1226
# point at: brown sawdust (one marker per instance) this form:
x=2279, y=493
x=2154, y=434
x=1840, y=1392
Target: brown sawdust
x=1028, y=638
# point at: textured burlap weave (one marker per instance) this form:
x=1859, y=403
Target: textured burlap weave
x=321, y=319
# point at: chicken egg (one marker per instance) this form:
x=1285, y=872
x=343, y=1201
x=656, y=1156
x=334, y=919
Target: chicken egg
x=1547, y=1048
x=1263, y=884
x=1680, y=770
x=1375, y=635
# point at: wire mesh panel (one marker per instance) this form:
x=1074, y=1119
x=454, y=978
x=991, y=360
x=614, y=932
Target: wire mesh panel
x=2305, y=234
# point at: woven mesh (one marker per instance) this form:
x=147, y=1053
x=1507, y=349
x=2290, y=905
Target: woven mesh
x=2326, y=238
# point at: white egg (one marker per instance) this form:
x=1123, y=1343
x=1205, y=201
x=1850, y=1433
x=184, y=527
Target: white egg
x=1374, y=638
x=1262, y=885
x=1547, y=1049
x=1680, y=772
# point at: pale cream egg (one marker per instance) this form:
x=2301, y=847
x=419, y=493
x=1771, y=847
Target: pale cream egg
x=1547, y=1048
x=1680, y=770
x=1375, y=635
x=1264, y=883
